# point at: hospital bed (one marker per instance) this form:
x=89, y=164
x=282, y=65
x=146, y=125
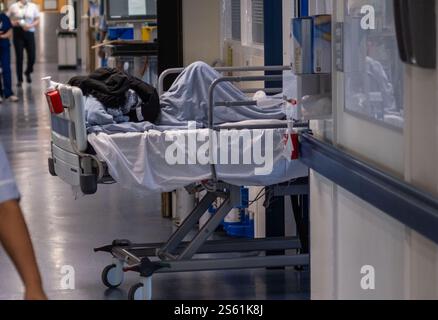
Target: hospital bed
x=75, y=161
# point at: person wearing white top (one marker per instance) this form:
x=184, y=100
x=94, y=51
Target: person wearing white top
x=25, y=17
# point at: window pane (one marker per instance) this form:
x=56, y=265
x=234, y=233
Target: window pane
x=236, y=20
x=373, y=69
x=257, y=21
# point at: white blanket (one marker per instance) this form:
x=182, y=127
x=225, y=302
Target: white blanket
x=145, y=161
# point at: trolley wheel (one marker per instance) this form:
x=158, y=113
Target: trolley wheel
x=52, y=170
x=88, y=184
x=136, y=292
x=112, y=277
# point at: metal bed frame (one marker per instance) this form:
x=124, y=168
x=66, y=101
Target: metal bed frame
x=74, y=164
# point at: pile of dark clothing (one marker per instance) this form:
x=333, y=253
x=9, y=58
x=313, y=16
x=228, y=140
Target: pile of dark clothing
x=113, y=96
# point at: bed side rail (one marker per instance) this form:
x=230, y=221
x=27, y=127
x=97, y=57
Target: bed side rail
x=69, y=160
x=236, y=79
x=68, y=128
x=174, y=71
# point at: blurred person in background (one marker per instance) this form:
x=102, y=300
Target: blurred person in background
x=25, y=17
x=5, y=57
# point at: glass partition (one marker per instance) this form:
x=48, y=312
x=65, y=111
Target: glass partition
x=372, y=67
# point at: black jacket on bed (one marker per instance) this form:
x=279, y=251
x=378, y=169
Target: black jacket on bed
x=109, y=87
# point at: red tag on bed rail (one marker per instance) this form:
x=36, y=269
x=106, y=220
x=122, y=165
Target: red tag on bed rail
x=55, y=102
x=291, y=146
x=295, y=143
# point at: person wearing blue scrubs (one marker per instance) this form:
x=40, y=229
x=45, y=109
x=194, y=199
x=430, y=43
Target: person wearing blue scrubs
x=14, y=235
x=5, y=56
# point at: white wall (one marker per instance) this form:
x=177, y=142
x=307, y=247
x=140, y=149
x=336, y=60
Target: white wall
x=202, y=31
x=421, y=158
x=347, y=233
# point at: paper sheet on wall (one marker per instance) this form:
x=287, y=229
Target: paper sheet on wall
x=137, y=7
x=50, y=5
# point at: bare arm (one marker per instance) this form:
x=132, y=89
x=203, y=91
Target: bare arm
x=15, y=238
x=6, y=35
x=34, y=24
x=15, y=22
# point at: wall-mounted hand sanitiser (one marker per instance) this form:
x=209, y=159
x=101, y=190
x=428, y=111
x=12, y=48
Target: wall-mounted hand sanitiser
x=311, y=93
x=416, y=31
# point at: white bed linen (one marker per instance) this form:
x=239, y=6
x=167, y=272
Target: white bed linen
x=137, y=161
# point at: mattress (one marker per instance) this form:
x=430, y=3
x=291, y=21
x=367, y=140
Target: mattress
x=162, y=161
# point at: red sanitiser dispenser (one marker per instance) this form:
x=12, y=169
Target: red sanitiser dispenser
x=53, y=96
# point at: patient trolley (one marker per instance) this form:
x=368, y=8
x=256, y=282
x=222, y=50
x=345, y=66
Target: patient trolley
x=74, y=162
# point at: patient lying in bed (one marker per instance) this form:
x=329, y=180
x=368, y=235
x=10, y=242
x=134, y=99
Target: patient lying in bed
x=186, y=100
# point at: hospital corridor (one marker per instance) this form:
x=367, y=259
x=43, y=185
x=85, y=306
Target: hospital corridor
x=192, y=151
x=63, y=228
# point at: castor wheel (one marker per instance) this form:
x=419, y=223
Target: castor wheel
x=88, y=184
x=52, y=170
x=142, y=290
x=136, y=292
x=112, y=276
